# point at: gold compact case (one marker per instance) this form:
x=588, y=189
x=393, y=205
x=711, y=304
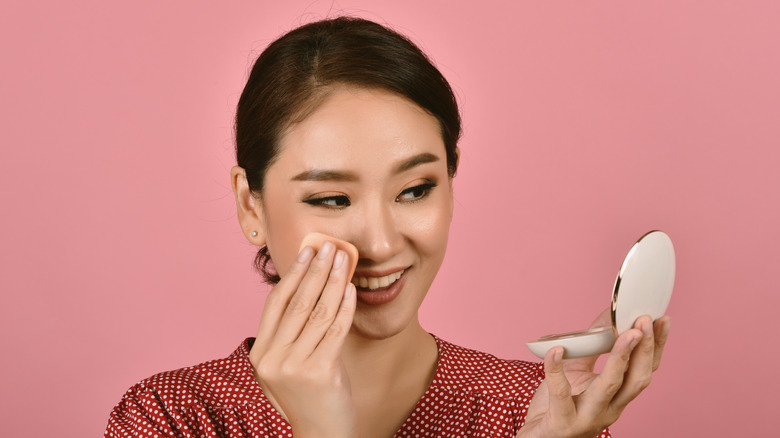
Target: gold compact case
x=643, y=287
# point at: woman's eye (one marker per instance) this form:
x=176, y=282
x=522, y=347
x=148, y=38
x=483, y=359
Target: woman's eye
x=415, y=193
x=340, y=201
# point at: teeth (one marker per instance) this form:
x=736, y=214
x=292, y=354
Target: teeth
x=376, y=282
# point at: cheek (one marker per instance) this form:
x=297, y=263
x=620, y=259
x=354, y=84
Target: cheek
x=429, y=227
x=284, y=233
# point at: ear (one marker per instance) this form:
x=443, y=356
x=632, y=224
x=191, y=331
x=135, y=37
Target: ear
x=249, y=208
x=452, y=193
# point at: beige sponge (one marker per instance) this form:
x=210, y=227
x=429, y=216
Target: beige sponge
x=315, y=240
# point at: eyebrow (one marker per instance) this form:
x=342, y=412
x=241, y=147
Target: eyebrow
x=325, y=175
x=335, y=175
x=417, y=160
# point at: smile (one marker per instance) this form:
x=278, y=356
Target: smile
x=371, y=283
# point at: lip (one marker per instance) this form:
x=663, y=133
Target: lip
x=383, y=295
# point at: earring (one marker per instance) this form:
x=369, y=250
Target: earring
x=254, y=233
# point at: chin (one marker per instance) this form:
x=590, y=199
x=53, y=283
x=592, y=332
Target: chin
x=379, y=327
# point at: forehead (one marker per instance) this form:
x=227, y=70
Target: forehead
x=360, y=128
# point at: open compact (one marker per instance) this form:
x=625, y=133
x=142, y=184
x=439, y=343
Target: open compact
x=643, y=287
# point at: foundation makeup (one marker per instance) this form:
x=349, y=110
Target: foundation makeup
x=643, y=287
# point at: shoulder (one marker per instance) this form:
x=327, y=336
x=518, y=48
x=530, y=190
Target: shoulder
x=189, y=399
x=217, y=383
x=465, y=369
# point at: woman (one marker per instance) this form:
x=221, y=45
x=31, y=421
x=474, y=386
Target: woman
x=345, y=128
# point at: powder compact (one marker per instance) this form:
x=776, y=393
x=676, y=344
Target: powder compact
x=643, y=287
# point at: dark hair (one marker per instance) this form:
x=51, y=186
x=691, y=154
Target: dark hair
x=294, y=74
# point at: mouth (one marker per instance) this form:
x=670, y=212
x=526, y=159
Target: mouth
x=377, y=290
x=376, y=283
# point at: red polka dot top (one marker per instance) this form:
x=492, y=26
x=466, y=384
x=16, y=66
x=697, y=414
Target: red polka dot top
x=472, y=394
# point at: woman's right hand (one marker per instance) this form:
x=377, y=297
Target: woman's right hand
x=297, y=353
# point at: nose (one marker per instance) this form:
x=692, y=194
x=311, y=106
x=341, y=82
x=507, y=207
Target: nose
x=376, y=233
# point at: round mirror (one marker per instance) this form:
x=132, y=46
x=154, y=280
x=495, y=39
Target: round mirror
x=643, y=287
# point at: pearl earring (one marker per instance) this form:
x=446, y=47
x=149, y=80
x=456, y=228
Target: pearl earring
x=254, y=233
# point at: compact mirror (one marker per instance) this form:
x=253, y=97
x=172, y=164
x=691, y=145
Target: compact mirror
x=643, y=287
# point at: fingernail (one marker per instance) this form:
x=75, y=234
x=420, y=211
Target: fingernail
x=634, y=342
x=349, y=291
x=558, y=355
x=325, y=250
x=339, y=259
x=305, y=254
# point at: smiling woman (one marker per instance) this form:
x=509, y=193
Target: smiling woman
x=345, y=128
x=367, y=166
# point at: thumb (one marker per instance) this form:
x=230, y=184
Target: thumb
x=561, y=402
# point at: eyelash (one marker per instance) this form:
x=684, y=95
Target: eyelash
x=342, y=201
x=426, y=189
x=322, y=202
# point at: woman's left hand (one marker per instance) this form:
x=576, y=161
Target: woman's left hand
x=573, y=401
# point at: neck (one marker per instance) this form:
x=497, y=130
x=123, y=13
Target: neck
x=388, y=376
x=384, y=362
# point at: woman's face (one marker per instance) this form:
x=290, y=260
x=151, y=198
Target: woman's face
x=369, y=167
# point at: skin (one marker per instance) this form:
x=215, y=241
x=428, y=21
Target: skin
x=368, y=167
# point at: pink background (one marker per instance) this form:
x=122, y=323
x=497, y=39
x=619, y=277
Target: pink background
x=586, y=124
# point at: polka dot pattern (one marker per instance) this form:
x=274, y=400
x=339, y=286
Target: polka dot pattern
x=472, y=394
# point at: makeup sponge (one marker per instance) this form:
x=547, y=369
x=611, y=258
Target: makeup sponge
x=315, y=240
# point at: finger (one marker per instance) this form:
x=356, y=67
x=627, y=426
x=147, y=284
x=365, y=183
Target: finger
x=329, y=348
x=324, y=312
x=640, y=365
x=303, y=301
x=588, y=363
x=604, y=387
x=559, y=390
x=277, y=299
x=661, y=334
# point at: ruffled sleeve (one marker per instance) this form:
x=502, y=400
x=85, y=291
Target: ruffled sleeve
x=219, y=398
x=141, y=413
